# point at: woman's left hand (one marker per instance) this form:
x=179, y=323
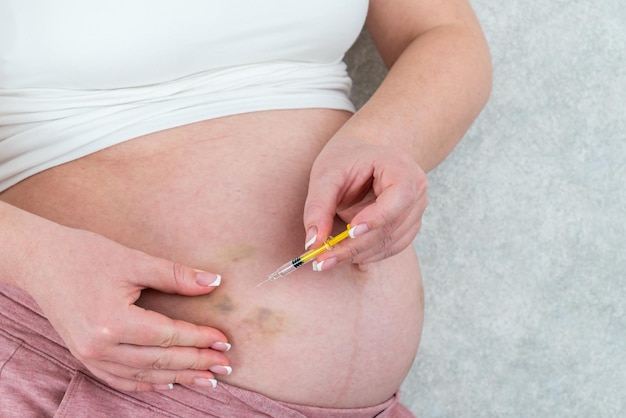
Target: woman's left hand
x=379, y=189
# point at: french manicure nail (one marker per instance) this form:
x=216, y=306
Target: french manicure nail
x=357, y=230
x=227, y=370
x=208, y=279
x=220, y=346
x=324, y=265
x=201, y=381
x=311, y=236
x=317, y=266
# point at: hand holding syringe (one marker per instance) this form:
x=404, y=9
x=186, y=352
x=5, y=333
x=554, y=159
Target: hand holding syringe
x=308, y=256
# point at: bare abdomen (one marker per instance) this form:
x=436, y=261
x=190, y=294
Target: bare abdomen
x=226, y=196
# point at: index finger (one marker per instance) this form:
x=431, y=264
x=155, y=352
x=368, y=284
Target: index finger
x=321, y=204
x=149, y=328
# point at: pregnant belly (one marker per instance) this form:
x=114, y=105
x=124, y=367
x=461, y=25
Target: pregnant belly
x=226, y=196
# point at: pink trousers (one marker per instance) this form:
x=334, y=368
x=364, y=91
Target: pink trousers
x=40, y=378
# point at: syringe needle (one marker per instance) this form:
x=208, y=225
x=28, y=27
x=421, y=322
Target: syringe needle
x=269, y=279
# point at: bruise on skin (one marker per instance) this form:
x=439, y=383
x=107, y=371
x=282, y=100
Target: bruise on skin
x=222, y=303
x=237, y=252
x=265, y=322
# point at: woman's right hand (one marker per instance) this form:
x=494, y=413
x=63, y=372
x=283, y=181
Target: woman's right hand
x=87, y=287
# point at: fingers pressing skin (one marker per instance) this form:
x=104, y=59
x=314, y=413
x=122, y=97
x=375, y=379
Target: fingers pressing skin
x=90, y=301
x=148, y=348
x=171, y=345
x=176, y=278
x=198, y=367
x=165, y=332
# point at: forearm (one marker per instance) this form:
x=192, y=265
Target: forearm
x=434, y=90
x=19, y=236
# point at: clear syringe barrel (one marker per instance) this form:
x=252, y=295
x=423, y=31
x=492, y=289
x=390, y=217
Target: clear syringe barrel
x=285, y=269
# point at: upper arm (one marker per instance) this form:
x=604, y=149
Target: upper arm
x=393, y=25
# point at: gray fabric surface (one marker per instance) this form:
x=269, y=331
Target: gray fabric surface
x=523, y=247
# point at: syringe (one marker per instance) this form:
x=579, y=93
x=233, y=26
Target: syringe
x=308, y=256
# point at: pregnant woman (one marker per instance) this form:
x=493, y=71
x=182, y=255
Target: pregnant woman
x=159, y=159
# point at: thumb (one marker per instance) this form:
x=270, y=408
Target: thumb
x=171, y=277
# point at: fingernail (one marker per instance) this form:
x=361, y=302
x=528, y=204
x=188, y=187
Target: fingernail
x=205, y=383
x=169, y=386
x=311, y=236
x=357, y=230
x=317, y=266
x=208, y=279
x=227, y=370
x=220, y=346
x=324, y=265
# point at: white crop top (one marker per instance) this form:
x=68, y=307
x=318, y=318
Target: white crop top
x=78, y=76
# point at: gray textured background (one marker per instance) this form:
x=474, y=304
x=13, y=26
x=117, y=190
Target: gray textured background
x=523, y=246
